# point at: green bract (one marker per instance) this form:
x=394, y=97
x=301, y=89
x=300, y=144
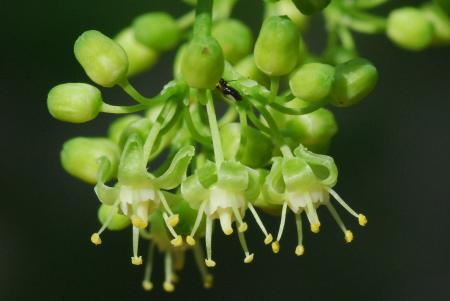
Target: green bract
x=353, y=81
x=276, y=49
x=81, y=158
x=118, y=221
x=409, y=28
x=104, y=61
x=157, y=30
x=235, y=38
x=74, y=102
x=202, y=63
x=309, y=7
x=140, y=57
x=312, y=82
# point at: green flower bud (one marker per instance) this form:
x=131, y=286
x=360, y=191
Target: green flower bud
x=287, y=8
x=339, y=55
x=140, y=126
x=203, y=63
x=80, y=157
x=256, y=150
x=312, y=82
x=119, y=125
x=276, y=49
x=118, y=221
x=74, y=102
x=353, y=81
x=409, y=28
x=178, y=60
x=140, y=57
x=313, y=130
x=235, y=38
x=103, y=60
x=248, y=68
x=309, y=7
x=157, y=30
x=440, y=22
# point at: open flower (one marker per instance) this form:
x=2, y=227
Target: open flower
x=303, y=183
x=223, y=194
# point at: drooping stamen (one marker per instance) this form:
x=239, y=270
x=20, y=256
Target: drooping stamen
x=348, y=235
x=248, y=257
x=299, y=250
x=208, y=237
x=276, y=244
x=242, y=226
x=225, y=220
x=168, y=270
x=269, y=237
x=190, y=238
x=147, y=282
x=136, y=260
x=139, y=219
x=95, y=237
x=177, y=239
x=311, y=214
x=206, y=277
x=362, y=219
x=173, y=218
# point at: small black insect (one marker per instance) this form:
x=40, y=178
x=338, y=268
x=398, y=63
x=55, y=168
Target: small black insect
x=227, y=90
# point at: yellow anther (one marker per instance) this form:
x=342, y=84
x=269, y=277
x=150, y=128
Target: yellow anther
x=147, y=285
x=190, y=240
x=173, y=220
x=177, y=241
x=168, y=287
x=249, y=258
x=210, y=263
x=208, y=281
x=136, y=260
x=228, y=231
x=268, y=239
x=138, y=222
x=348, y=236
x=362, y=219
x=315, y=228
x=95, y=239
x=276, y=247
x=243, y=227
x=299, y=250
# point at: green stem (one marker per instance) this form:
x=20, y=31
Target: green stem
x=286, y=151
x=244, y=125
x=150, y=101
x=215, y=134
x=193, y=130
x=229, y=116
x=107, y=108
x=274, y=86
x=186, y=20
x=203, y=18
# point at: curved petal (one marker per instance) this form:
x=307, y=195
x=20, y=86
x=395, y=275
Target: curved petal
x=273, y=188
x=176, y=172
x=233, y=176
x=193, y=191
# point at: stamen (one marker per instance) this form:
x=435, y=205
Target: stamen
x=177, y=239
x=136, y=260
x=208, y=236
x=95, y=237
x=269, y=237
x=361, y=217
x=311, y=214
x=147, y=282
x=248, y=257
x=276, y=244
x=207, y=278
x=225, y=221
x=348, y=235
x=242, y=226
x=299, y=250
x=168, y=285
x=173, y=218
x=190, y=238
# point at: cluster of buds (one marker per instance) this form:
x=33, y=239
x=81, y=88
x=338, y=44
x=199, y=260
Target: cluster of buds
x=266, y=152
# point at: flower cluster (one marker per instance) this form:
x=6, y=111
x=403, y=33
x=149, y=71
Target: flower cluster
x=265, y=153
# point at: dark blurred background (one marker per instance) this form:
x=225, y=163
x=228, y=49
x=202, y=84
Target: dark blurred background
x=392, y=151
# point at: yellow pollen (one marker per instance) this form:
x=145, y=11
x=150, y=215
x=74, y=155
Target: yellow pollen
x=177, y=241
x=268, y=239
x=362, y=219
x=243, y=227
x=249, y=258
x=136, y=260
x=95, y=239
x=276, y=247
x=299, y=250
x=173, y=220
x=190, y=240
x=228, y=231
x=147, y=285
x=315, y=228
x=208, y=281
x=210, y=263
x=168, y=287
x=348, y=236
x=138, y=222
